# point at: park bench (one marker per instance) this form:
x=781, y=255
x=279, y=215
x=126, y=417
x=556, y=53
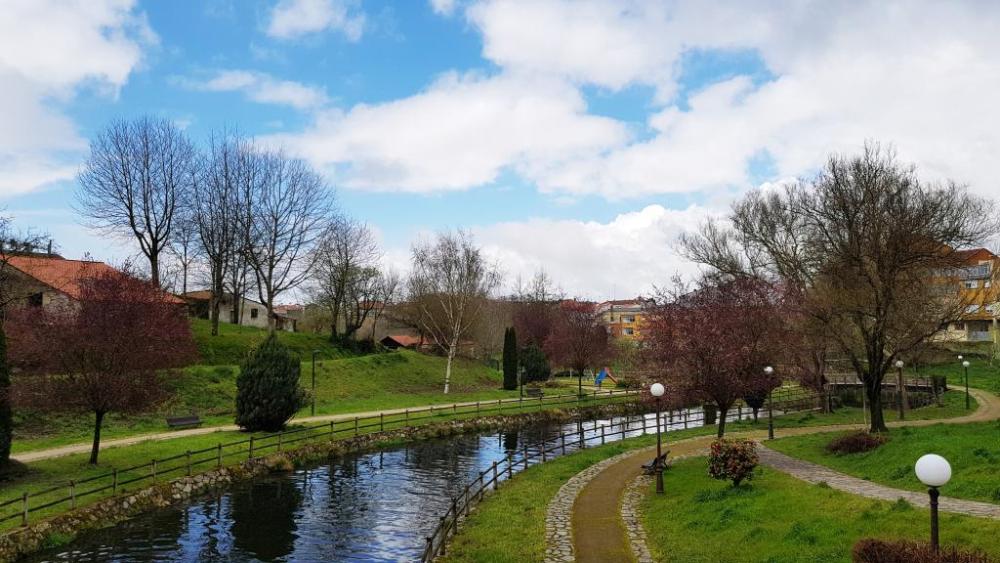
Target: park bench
x=533, y=392
x=183, y=421
x=650, y=468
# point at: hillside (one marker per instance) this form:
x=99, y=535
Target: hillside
x=234, y=342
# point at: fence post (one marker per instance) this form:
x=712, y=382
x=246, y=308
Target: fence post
x=482, y=485
x=381, y=422
x=499, y=406
x=251, y=448
x=24, y=509
x=218, y=455
x=739, y=412
x=153, y=465
x=114, y=481
x=602, y=434
x=562, y=442
x=280, y=434
x=72, y=493
x=454, y=408
x=477, y=408
x=187, y=457
x=444, y=537
x=543, y=451
x=355, y=426
x=685, y=419
x=333, y=432
x=496, y=480
x=407, y=415
x=526, y=456
x=427, y=550
x=510, y=466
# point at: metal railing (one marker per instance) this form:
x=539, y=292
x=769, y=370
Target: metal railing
x=71, y=493
x=791, y=400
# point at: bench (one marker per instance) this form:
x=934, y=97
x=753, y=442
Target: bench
x=183, y=421
x=533, y=392
x=650, y=468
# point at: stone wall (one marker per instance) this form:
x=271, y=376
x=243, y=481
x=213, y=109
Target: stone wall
x=108, y=512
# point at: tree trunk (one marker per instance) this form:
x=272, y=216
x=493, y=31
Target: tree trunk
x=722, y=422
x=154, y=269
x=755, y=410
x=447, y=368
x=272, y=323
x=96, y=447
x=873, y=389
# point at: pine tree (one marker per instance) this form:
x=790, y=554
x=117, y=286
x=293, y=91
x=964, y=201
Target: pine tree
x=509, y=359
x=267, y=389
x=535, y=364
x=6, y=419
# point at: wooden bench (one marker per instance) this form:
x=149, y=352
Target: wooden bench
x=183, y=421
x=533, y=392
x=650, y=468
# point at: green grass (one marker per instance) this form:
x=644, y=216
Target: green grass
x=972, y=449
x=981, y=374
x=234, y=342
x=379, y=381
x=778, y=518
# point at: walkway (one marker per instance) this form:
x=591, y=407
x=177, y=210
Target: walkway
x=84, y=447
x=598, y=532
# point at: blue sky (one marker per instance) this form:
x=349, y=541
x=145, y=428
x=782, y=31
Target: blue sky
x=579, y=137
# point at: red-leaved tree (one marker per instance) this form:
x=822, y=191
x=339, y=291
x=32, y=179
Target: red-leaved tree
x=577, y=340
x=105, y=352
x=713, y=343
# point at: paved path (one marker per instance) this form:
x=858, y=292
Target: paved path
x=599, y=535
x=84, y=447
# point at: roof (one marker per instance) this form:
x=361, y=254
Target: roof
x=64, y=275
x=974, y=254
x=200, y=295
x=288, y=308
x=404, y=340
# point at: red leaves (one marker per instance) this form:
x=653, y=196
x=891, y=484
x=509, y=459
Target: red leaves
x=733, y=460
x=577, y=339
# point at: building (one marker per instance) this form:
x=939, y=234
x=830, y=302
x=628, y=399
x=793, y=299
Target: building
x=624, y=319
x=251, y=313
x=49, y=281
x=979, y=322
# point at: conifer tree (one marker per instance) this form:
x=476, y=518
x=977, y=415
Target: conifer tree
x=267, y=389
x=510, y=359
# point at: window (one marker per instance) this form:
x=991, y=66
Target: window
x=971, y=284
x=253, y=313
x=629, y=318
x=35, y=300
x=628, y=331
x=973, y=309
x=958, y=326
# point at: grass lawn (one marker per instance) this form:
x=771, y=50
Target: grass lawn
x=972, y=449
x=233, y=343
x=778, y=518
x=981, y=374
x=379, y=381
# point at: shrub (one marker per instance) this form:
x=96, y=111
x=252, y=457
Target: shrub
x=856, y=442
x=902, y=551
x=733, y=460
x=535, y=363
x=267, y=389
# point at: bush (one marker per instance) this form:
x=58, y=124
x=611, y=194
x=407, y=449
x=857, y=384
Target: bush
x=510, y=359
x=535, y=364
x=856, y=442
x=902, y=551
x=267, y=388
x=733, y=460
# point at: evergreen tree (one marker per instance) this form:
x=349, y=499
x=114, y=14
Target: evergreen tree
x=6, y=419
x=535, y=364
x=510, y=359
x=267, y=389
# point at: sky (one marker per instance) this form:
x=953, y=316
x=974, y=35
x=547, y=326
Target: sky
x=579, y=137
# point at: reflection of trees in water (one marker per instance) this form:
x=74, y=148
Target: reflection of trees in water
x=509, y=441
x=264, y=518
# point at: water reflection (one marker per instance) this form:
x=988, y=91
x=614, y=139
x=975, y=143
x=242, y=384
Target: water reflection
x=372, y=507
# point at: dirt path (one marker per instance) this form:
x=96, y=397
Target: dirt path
x=84, y=447
x=599, y=535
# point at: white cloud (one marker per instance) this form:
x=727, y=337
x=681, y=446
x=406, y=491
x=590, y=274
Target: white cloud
x=290, y=19
x=261, y=88
x=462, y=131
x=443, y=7
x=48, y=49
x=625, y=256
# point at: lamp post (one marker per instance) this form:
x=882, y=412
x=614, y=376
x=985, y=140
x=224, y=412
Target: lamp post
x=520, y=380
x=312, y=410
x=900, y=388
x=933, y=471
x=965, y=365
x=769, y=371
x=657, y=391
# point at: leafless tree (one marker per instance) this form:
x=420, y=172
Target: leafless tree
x=136, y=176
x=184, y=245
x=346, y=252
x=870, y=250
x=449, y=285
x=287, y=208
x=390, y=284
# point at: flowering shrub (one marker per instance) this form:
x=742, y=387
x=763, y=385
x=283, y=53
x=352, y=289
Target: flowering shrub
x=733, y=460
x=855, y=443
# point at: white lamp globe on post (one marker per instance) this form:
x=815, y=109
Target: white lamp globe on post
x=900, y=389
x=965, y=366
x=769, y=371
x=657, y=390
x=933, y=471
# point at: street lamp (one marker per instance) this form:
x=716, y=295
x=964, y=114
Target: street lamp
x=769, y=371
x=312, y=410
x=901, y=390
x=933, y=471
x=965, y=365
x=657, y=391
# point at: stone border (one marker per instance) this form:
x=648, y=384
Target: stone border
x=630, y=512
x=559, y=516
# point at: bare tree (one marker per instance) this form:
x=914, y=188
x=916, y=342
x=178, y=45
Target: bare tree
x=390, y=284
x=868, y=248
x=346, y=251
x=136, y=176
x=184, y=245
x=449, y=284
x=287, y=208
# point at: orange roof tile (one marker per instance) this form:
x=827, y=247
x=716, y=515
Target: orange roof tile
x=64, y=275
